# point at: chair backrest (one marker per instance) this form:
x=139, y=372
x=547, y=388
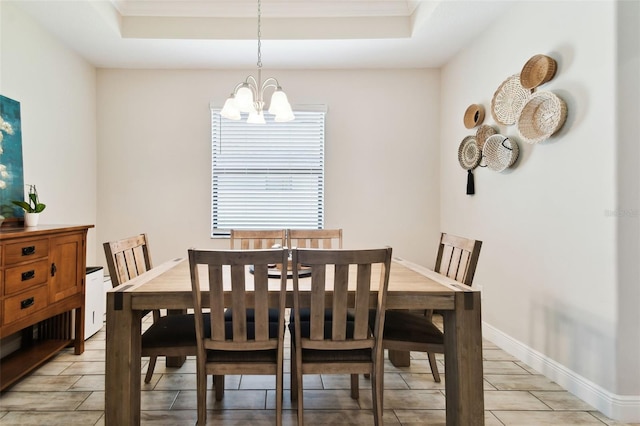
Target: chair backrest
x=338, y=272
x=127, y=258
x=246, y=275
x=247, y=239
x=314, y=238
x=458, y=257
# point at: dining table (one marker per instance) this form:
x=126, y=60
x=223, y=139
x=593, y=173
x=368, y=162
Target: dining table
x=411, y=286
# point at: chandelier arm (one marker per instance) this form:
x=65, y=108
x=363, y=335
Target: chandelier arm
x=270, y=82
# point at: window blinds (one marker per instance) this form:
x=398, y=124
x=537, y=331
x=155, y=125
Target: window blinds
x=267, y=176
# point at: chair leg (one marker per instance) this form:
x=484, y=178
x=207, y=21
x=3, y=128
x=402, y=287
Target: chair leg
x=218, y=384
x=279, y=392
x=293, y=379
x=377, y=384
x=299, y=382
x=434, y=367
x=150, y=368
x=355, y=386
x=201, y=398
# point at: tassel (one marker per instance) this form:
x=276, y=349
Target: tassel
x=471, y=187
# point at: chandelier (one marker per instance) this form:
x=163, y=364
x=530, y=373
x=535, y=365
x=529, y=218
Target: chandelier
x=249, y=95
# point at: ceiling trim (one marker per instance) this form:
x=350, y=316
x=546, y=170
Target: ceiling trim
x=272, y=28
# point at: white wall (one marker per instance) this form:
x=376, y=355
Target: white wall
x=381, y=155
x=548, y=263
x=56, y=91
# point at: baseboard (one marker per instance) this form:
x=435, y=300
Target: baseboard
x=618, y=407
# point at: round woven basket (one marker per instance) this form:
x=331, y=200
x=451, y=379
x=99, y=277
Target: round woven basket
x=469, y=154
x=542, y=116
x=500, y=152
x=473, y=116
x=508, y=100
x=538, y=70
x=483, y=133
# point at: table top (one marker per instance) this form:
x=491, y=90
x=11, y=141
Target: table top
x=410, y=286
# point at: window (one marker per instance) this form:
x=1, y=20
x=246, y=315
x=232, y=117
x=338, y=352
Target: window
x=268, y=176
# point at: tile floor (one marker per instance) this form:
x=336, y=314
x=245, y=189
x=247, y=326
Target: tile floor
x=69, y=390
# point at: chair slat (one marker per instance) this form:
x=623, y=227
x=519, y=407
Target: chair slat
x=261, y=310
x=361, y=311
x=216, y=302
x=238, y=303
x=454, y=263
x=340, y=294
x=317, y=308
x=462, y=268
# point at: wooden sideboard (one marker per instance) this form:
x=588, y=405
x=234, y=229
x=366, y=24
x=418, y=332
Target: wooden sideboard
x=42, y=285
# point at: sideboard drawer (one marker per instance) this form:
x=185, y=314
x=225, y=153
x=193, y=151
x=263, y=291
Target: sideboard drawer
x=24, y=304
x=25, y=251
x=21, y=277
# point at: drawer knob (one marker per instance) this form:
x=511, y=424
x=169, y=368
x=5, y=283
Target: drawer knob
x=28, y=275
x=27, y=302
x=28, y=251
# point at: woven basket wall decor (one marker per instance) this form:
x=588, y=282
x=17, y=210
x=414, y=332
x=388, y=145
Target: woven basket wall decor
x=473, y=116
x=538, y=70
x=542, y=116
x=469, y=156
x=508, y=100
x=483, y=133
x=500, y=152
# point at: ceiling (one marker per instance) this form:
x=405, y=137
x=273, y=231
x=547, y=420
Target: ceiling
x=297, y=34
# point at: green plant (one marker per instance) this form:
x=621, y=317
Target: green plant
x=34, y=205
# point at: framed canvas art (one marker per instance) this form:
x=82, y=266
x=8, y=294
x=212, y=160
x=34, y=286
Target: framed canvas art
x=11, y=172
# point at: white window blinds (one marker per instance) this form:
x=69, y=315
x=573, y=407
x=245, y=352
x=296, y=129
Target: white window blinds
x=267, y=176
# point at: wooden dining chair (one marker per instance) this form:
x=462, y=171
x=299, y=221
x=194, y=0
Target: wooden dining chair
x=341, y=344
x=237, y=346
x=407, y=331
x=314, y=238
x=169, y=335
x=246, y=239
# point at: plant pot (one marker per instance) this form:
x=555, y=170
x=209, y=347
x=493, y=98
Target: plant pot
x=31, y=219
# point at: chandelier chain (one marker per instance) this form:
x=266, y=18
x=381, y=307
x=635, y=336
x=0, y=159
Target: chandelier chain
x=259, y=38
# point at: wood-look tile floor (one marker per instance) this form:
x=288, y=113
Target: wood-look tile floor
x=69, y=390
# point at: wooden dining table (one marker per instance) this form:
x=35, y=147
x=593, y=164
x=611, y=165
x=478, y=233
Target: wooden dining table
x=168, y=286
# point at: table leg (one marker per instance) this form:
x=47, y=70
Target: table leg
x=122, y=374
x=175, y=361
x=400, y=358
x=463, y=361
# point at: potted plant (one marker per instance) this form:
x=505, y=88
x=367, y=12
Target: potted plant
x=32, y=207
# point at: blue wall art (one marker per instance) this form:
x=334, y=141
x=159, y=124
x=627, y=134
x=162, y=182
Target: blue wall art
x=11, y=172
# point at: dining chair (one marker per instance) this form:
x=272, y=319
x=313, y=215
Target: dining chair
x=246, y=239
x=237, y=346
x=340, y=344
x=170, y=335
x=314, y=238
x=406, y=330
